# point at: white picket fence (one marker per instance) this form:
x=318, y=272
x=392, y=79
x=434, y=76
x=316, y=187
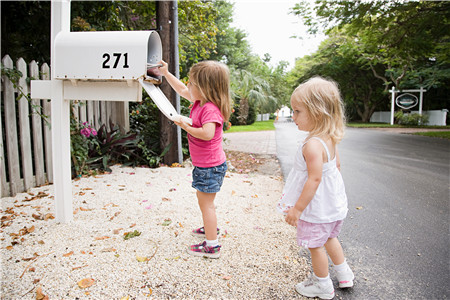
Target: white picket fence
x=25, y=141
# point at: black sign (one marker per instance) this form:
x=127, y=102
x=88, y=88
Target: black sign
x=406, y=101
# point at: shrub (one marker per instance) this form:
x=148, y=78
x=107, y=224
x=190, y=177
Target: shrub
x=112, y=147
x=411, y=119
x=251, y=114
x=82, y=138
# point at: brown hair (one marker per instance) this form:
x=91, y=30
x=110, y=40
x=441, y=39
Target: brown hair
x=325, y=107
x=213, y=80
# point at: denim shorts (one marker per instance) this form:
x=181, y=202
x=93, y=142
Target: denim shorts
x=315, y=235
x=209, y=180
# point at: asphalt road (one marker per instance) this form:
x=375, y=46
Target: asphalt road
x=396, y=235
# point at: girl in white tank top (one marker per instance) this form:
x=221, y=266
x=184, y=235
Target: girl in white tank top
x=314, y=198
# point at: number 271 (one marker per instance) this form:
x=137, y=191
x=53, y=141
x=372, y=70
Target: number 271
x=107, y=58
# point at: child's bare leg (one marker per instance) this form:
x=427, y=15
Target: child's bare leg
x=335, y=251
x=206, y=203
x=319, y=260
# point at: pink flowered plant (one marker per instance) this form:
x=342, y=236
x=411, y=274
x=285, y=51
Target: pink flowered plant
x=87, y=131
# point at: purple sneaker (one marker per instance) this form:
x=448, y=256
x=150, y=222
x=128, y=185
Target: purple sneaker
x=201, y=231
x=204, y=251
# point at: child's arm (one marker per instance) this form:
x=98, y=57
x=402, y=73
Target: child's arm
x=174, y=82
x=312, y=152
x=206, y=132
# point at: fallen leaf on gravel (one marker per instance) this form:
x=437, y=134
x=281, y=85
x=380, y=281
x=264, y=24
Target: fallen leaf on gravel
x=85, y=209
x=99, y=238
x=141, y=258
x=86, y=282
x=228, y=277
x=48, y=216
x=115, y=215
x=174, y=258
x=150, y=292
x=125, y=298
x=233, y=193
x=166, y=222
x=109, y=250
x=68, y=254
x=40, y=295
x=165, y=199
x=129, y=235
x=37, y=217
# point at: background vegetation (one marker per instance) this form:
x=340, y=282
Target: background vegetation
x=370, y=47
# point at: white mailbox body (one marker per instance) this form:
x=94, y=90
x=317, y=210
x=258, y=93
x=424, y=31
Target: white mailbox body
x=103, y=65
x=107, y=55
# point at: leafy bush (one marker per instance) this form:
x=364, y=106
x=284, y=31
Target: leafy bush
x=144, y=122
x=411, y=119
x=251, y=114
x=113, y=146
x=82, y=138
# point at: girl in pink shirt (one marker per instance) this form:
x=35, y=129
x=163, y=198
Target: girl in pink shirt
x=209, y=90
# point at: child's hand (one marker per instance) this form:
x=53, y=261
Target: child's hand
x=182, y=123
x=292, y=216
x=164, y=70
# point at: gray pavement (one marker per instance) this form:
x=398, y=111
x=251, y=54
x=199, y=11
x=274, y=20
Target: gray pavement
x=258, y=142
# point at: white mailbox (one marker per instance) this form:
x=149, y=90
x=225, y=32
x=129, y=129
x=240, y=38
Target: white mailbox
x=106, y=65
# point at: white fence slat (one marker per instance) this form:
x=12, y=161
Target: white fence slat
x=4, y=190
x=24, y=127
x=36, y=120
x=96, y=115
x=12, y=146
x=90, y=113
x=103, y=113
x=83, y=112
x=45, y=71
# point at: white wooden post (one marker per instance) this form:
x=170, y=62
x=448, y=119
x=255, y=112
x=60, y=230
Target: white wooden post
x=137, y=49
x=62, y=179
x=392, y=104
x=421, y=100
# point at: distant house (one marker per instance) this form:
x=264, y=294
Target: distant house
x=284, y=111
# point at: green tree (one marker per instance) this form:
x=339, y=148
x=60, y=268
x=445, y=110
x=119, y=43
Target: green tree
x=197, y=32
x=231, y=46
x=250, y=90
x=403, y=43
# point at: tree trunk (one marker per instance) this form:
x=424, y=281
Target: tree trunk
x=168, y=131
x=243, y=111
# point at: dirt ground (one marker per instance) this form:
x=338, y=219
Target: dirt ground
x=244, y=163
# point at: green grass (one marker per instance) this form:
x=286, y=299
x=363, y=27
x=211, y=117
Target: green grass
x=257, y=126
x=437, y=134
x=384, y=125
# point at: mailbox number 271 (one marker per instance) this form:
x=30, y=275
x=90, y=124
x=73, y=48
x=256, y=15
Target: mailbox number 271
x=115, y=61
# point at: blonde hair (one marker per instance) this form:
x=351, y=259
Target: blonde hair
x=324, y=105
x=213, y=80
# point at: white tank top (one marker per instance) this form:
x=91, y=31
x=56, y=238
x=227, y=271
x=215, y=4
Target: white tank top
x=329, y=204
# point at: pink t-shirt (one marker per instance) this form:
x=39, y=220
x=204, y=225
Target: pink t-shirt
x=206, y=154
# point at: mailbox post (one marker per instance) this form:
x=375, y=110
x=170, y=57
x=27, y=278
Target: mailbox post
x=89, y=66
